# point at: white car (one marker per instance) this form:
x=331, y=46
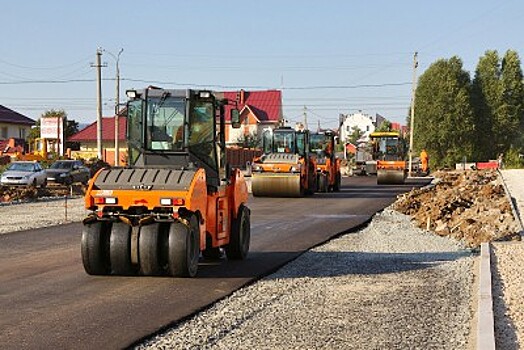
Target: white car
x=24, y=173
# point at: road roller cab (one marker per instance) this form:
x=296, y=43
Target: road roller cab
x=389, y=151
x=176, y=199
x=322, y=147
x=286, y=167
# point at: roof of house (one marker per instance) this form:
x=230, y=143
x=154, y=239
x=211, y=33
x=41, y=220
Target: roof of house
x=266, y=104
x=9, y=116
x=89, y=133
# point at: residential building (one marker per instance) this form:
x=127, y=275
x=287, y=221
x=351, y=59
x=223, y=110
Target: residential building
x=259, y=110
x=13, y=124
x=87, y=138
x=362, y=121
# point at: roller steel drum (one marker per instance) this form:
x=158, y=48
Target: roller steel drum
x=276, y=185
x=388, y=177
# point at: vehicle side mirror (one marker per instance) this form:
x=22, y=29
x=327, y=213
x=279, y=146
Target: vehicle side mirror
x=235, y=118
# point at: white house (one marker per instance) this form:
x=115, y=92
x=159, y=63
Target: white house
x=366, y=123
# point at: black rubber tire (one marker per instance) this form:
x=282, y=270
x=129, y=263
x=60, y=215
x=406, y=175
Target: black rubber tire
x=338, y=180
x=183, y=249
x=120, y=249
x=149, y=250
x=323, y=185
x=95, y=248
x=238, y=246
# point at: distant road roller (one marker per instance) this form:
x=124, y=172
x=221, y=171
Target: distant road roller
x=176, y=199
x=322, y=147
x=286, y=168
x=389, y=151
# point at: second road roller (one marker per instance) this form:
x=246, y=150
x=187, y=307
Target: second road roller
x=286, y=168
x=389, y=151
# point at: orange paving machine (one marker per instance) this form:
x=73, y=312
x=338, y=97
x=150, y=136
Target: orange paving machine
x=176, y=199
x=389, y=152
x=286, y=168
x=322, y=146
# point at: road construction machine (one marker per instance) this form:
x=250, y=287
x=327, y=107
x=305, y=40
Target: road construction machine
x=176, y=199
x=389, y=152
x=286, y=168
x=322, y=147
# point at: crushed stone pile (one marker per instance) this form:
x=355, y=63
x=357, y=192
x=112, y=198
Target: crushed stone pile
x=470, y=206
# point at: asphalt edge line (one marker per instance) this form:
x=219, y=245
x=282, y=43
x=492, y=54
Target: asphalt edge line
x=485, y=322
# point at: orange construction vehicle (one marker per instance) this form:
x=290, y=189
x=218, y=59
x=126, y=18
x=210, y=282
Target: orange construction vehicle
x=389, y=152
x=286, y=168
x=322, y=146
x=176, y=199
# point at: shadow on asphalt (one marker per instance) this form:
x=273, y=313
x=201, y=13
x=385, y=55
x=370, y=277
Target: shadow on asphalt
x=314, y=264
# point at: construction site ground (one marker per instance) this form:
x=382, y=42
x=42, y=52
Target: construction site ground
x=470, y=206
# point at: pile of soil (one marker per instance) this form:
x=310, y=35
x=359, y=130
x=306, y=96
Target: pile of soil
x=30, y=193
x=470, y=206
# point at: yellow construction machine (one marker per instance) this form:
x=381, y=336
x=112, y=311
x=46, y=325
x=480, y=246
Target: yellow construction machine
x=286, y=168
x=389, y=152
x=322, y=146
x=177, y=199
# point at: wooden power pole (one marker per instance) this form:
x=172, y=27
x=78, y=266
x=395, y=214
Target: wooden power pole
x=412, y=118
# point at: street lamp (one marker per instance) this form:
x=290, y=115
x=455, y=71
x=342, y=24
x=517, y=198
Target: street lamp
x=117, y=103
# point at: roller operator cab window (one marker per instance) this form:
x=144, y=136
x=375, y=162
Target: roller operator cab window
x=165, y=124
x=202, y=132
x=319, y=144
x=134, y=129
x=284, y=142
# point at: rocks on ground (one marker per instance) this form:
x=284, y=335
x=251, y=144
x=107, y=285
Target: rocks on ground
x=470, y=206
x=29, y=193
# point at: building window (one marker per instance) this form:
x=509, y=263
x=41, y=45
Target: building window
x=3, y=133
x=347, y=128
x=367, y=127
x=21, y=133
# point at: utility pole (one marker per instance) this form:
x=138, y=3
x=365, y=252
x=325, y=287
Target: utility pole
x=117, y=104
x=412, y=119
x=99, y=66
x=305, y=118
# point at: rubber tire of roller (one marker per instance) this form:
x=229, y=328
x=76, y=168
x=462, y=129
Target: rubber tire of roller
x=238, y=246
x=183, y=249
x=120, y=249
x=94, y=247
x=149, y=250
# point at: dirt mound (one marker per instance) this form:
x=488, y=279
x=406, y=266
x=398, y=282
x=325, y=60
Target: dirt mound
x=467, y=205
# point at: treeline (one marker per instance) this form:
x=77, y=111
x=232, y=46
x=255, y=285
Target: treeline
x=457, y=117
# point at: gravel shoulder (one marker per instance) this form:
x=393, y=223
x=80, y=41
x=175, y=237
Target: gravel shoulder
x=388, y=286
x=508, y=280
x=43, y=213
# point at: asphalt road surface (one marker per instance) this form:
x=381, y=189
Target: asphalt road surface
x=48, y=301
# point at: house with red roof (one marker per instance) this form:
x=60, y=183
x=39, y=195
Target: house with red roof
x=87, y=138
x=259, y=110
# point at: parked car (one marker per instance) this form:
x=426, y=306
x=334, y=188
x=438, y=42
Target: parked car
x=66, y=172
x=24, y=173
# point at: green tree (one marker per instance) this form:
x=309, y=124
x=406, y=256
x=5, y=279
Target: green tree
x=355, y=135
x=444, y=123
x=509, y=124
x=487, y=101
x=384, y=126
x=250, y=140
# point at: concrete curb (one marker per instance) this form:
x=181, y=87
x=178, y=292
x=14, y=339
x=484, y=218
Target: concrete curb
x=485, y=322
x=512, y=204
